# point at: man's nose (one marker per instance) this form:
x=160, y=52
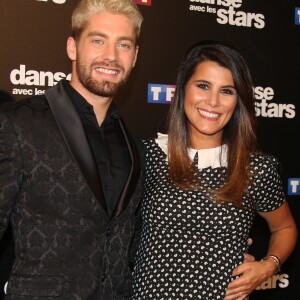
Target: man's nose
x=110, y=52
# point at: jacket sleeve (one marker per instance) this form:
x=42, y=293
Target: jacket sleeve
x=10, y=170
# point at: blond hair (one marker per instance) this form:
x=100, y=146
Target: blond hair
x=86, y=8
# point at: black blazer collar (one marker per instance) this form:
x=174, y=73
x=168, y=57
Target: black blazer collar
x=73, y=133
x=134, y=173
x=72, y=130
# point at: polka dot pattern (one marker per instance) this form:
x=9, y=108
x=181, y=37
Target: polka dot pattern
x=189, y=244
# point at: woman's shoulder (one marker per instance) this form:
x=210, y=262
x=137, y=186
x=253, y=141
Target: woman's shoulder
x=261, y=160
x=161, y=141
x=261, y=156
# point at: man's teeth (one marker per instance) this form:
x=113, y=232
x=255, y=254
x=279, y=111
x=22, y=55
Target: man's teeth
x=107, y=71
x=208, y=114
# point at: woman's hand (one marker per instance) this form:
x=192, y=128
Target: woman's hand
x=282, y=242
x=251, y=275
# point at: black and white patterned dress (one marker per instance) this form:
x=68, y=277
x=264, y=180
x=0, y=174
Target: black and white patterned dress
x=190, y=245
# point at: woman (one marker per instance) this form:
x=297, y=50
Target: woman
x=205, y=181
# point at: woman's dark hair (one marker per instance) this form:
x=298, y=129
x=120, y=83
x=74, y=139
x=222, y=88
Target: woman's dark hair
x=239, y=134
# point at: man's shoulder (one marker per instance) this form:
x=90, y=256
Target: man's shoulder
x=35, y=103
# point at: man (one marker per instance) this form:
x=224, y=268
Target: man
x=70, y=173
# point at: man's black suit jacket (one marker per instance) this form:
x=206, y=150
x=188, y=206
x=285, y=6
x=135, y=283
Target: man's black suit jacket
x=66, y=245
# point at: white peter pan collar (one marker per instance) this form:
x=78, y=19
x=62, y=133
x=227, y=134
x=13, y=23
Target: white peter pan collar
x=206, y=157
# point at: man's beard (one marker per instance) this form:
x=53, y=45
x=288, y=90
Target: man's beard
x=102, y=88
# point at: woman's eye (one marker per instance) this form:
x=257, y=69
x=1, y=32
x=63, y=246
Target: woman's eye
x=202, y=86
x=228, y=91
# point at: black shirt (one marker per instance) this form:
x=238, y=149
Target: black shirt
x=108, y=146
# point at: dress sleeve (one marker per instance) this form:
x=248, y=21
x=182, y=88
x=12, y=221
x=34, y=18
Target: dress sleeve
x=267, y=186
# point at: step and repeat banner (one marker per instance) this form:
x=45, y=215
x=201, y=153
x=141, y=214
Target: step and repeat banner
x=267, y=32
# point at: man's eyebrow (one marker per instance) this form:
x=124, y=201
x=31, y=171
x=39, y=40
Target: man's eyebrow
x=96, y=33
x=101, y=34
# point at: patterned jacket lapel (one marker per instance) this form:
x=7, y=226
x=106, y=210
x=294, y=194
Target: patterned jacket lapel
x=72, y=131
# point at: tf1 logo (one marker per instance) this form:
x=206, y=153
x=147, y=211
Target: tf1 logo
x=160, y=93
x=297, y=16
x=294, y=186
x=143, y=2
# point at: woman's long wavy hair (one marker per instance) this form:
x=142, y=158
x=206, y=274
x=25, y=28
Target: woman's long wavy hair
x=239, y=134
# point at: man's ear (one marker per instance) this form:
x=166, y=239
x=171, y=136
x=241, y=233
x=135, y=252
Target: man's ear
x=71, y=48
x=136, y=54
